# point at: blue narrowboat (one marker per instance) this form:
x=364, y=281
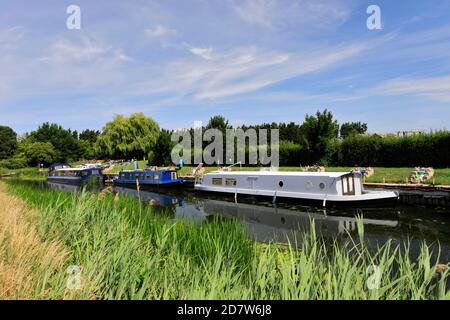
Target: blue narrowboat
x=149, y=177
x=68, y=174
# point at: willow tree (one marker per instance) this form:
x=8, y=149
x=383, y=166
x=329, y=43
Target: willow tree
x=132, y=137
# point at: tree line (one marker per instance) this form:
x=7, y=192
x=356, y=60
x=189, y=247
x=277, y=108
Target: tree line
x=319, y=139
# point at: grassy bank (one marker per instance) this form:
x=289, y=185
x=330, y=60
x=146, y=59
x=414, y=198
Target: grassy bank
x=386, y=175
x=126, y=252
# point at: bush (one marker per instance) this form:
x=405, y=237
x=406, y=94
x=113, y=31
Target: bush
x=423, y=150
x=14, y=163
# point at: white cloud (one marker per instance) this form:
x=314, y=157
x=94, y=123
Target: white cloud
x=242, y=70
x=205, y=53
x=278, y=13
x=436, y=88
x=160, y=31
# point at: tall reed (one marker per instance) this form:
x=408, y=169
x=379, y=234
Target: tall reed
x=125, y=251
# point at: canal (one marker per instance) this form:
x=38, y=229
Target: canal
x=266, y=222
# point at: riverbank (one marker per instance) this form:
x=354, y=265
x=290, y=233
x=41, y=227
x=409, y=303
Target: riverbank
x=125, y=251
x=27, y=263
x=382, y=175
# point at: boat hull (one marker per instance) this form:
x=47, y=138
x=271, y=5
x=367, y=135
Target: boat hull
x=385, y=199
x=74, y=180
x=145, y=184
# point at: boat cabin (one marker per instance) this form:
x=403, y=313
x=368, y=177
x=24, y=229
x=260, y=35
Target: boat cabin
x=320, y=186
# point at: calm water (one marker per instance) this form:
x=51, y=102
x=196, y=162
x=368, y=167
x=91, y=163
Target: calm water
x=282, y=222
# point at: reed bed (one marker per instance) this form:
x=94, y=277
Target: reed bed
x=125, y=251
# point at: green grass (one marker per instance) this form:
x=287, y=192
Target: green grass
x=24, y=171
x=125, y=251
x=387, y=175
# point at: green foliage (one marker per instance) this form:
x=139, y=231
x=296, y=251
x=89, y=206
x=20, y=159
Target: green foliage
x=220, y=123
x=132, y=137
x=89, y=135
x=422, y=150
x=290, y=154
x=8, y=142
x=64, y=142
x=352, y=128
x=13, y=163
x=318, y=133
x=40, y=152
x=162, y=150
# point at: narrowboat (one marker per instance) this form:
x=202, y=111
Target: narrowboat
x=149, y=177
x=320, y=187
x=67, y=174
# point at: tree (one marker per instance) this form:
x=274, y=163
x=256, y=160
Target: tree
x=64, y=142
x=89, y=135
x=163, y=149
x=318, y=133
x=40, y=152
x=220, y=123
x=8, y=142
x=351, y=128
x=132, y=137
x=87, y=140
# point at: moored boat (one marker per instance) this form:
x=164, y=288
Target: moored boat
x=321, y=187
x=149, y=177
x=68, y=174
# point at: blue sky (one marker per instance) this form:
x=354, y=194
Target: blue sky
x=252, y=61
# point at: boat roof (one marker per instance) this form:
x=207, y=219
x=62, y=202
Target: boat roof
x=75, y=169
x=280, y=173
x=147, y=170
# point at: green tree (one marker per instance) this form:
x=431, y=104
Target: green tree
x=352, y=128
x=318, y=133
x=132, y=137
x=87, y=140
x=8, y=142
x=40, y=152
x=163, y=148
x=64, y=141
x=220, y=123
x=89, y=135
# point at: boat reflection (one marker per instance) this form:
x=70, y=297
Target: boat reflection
x=264, y=223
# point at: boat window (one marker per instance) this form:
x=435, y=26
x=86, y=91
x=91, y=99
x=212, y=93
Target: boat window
x=156, y=176
x=85, y=173
x=217, y=181
x=281, y=184
x=174, y=175
x=322, y=185
x=308, y=185
x=230, y=182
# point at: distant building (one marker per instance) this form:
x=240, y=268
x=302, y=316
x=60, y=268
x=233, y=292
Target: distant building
x=409, y=133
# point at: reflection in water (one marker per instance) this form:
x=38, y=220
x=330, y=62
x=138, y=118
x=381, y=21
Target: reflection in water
x=281, y=223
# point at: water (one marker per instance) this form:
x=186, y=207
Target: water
x=285, y=222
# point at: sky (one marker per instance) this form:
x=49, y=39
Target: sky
x=252, y=61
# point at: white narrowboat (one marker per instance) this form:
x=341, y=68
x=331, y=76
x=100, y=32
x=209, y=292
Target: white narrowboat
x=323, y=187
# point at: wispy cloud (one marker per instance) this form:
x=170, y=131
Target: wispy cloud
x=436, y=88
x=282, y=13
x=160, y=31
x=243, y=69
